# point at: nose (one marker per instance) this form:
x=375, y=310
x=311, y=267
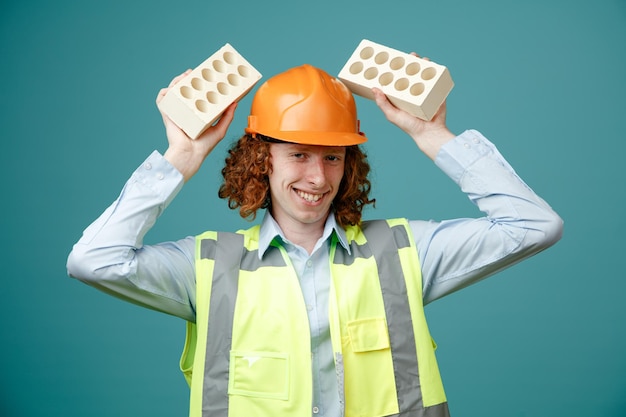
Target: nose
x=316, y=172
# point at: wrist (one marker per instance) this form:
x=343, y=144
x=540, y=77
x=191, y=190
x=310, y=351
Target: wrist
x=431, y=140
x=184, y=161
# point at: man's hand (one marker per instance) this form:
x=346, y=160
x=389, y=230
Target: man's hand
x=428, y=135
x=185, y=154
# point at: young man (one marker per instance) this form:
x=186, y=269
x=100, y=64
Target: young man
x=312, y=312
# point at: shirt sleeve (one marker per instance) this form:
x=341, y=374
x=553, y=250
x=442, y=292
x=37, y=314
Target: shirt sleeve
x=111, y=256
x=517, y=223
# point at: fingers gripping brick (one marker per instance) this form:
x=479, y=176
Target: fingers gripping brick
x=199, y=99
x=415, y=85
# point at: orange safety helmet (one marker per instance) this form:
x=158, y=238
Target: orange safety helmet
x=308, y=106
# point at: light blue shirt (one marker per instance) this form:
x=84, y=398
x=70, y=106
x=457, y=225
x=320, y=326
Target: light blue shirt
x=453, y=254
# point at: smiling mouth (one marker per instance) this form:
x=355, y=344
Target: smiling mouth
x=311, y=198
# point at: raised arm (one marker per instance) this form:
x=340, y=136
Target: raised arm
x=187, y=155
x=517, y=223
x=111, y=255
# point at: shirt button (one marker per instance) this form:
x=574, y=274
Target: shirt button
x=148, y=165
x=316, y=410
x=466, y=145
x=160, y=176
x=476, y=140
x=309, y=263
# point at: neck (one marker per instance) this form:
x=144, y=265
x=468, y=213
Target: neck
x=304, y=235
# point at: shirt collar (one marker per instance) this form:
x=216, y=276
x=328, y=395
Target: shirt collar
x=270, y=230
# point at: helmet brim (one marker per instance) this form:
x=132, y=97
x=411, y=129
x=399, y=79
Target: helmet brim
x=316, y=138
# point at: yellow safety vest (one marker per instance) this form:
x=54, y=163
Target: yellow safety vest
x=249, y=352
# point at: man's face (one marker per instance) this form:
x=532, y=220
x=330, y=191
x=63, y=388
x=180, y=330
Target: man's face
x=303, y=182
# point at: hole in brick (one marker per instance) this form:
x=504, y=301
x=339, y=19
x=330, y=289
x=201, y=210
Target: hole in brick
x=381, y=58
x=229, y=57
x=371, y=73
x=396, y=63
x=219, y=66
x=196, y=83
x=186, y=92
x=207, y=74
x=413, y=68
x=212, y=97
x=233, y=79
x=367, y=52
x=385, y=79
x=417, y=89
x=356, y=67
x=222, y=88
x=243, y=71
x=202, y=106
x=429, y=73
x=401, y=84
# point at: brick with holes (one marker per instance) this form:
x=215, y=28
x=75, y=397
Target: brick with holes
x=199, y=99
x=413, y=84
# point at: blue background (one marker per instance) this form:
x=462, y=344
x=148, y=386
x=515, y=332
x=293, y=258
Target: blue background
x=542, y=79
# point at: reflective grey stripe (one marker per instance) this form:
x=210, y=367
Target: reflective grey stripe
x=401, y=237
x=249, y=258
x=398, y=233
x=272, y=257
x=219, y=331
x=439, y=410
x=207, y=249
x=357, y=251
x=230, y=257
x=382, y=240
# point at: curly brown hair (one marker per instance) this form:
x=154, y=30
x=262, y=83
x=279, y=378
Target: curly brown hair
x=246, y=181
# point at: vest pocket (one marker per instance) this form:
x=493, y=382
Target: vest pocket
x=368, y=334
x=259, y=374
x=369, y=381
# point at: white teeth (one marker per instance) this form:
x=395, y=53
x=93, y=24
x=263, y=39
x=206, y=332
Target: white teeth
x=311, y=198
